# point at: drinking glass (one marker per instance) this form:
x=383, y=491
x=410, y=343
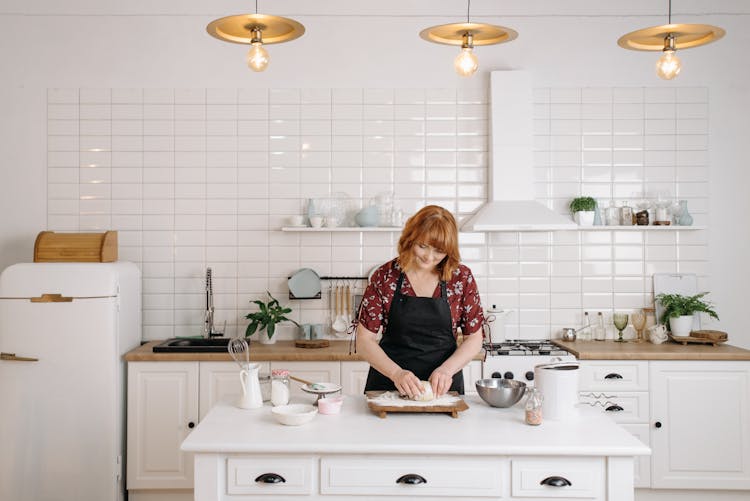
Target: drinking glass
x=621, y=321
x=638, y=319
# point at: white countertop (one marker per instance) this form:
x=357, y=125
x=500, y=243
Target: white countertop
x=480, y=430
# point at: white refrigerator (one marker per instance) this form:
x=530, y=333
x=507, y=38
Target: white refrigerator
x=63, y=330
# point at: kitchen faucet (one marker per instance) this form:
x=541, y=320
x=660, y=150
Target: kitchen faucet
x=208, y=324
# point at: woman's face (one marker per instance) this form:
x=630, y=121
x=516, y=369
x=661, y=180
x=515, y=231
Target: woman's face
x=427, y=257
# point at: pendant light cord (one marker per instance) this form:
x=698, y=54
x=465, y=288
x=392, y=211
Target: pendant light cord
x=256, y=6
x=669, y=19
x=468, y=9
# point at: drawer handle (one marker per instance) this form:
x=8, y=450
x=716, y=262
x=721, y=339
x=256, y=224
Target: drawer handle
x=411, y=479
x=270, y=478
x=614, y=408
x=613, y=375
x=556, y=481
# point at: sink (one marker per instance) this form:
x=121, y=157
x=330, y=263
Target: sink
x=193, y=345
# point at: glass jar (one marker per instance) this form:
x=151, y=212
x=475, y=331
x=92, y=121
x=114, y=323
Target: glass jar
x=280, y=389
x=265, y=386
x=533, y=414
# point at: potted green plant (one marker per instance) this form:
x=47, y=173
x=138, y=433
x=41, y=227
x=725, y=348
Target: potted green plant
x=679, y=310
x=265, y=319
x=583, y=210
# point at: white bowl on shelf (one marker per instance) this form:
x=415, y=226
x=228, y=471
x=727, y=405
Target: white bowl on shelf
x=294, y=414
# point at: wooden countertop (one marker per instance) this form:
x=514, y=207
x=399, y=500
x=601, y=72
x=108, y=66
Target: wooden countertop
x=281, y=351
x=609, y=350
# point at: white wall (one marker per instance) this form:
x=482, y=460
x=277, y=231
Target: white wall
x=86, y=48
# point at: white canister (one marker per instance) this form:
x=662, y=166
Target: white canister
x=558, y=383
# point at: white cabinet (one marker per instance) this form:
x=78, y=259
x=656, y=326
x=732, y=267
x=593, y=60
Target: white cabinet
x=700, y=425
x=620, y=389
x=472, y=372
x=326, y=372
x=220, y=381
x=354, y=377
x=162, y=408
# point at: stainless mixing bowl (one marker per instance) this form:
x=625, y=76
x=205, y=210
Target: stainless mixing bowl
x=500, y=392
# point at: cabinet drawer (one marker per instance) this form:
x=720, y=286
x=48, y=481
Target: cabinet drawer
x=293, y=475
x=620, y=376
x=531, y=478
x=623, y=406
x=457, y=477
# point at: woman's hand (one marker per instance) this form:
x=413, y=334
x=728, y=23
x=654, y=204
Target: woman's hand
x=407, y=383
x=441, y=381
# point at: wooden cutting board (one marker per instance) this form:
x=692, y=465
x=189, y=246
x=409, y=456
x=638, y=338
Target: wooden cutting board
x=383, y=410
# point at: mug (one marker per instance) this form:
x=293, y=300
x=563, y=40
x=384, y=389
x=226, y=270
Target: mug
x=657, y=334
x=316, y=221
x=318, y=331
x=304, y=330
x=296, y=220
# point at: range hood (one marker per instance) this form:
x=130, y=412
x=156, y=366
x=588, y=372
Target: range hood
x=511, y=205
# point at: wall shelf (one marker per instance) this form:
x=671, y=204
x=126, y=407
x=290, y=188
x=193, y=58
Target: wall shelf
x=341, y=229
x=641, y=228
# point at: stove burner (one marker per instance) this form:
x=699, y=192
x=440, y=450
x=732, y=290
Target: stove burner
x=523, y=347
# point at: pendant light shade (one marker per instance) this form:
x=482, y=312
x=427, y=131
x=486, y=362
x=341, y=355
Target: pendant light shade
x=669, y=38
x=255, y=30
x=468, y=35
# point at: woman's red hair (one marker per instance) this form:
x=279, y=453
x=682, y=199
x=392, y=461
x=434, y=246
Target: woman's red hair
x=436, y=227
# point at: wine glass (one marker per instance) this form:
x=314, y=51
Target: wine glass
x=638, y=319
x=621, y=321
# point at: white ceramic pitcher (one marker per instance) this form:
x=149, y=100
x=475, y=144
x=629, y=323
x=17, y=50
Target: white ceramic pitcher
x=251, y=396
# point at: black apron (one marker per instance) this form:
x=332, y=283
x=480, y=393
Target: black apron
x=418, y=337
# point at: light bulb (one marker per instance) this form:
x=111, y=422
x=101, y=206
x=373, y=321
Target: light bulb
x=466, y=63
x=257, y=57
x=668, y=66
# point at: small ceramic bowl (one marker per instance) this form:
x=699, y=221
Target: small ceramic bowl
x=294, y=414
x=330, y=405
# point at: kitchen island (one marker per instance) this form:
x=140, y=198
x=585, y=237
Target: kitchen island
x=486, y=453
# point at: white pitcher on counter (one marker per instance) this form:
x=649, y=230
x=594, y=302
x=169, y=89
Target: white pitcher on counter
x=251, y=395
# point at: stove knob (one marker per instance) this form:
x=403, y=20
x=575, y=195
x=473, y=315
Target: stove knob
x=508, y=375
x=529, y=375
x=497, y=375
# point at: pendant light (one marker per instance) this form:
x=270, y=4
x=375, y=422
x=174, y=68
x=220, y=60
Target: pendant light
x=255, y=30
x=467, y=35
x=668, y=38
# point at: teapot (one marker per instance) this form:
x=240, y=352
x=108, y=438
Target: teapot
x=657, y=334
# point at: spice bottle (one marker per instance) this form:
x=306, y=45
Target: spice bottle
x=600, y=332
x=279, y=387
x=534, y=407
x=626, y=214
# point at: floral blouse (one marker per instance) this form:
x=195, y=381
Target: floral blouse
x=463, y=298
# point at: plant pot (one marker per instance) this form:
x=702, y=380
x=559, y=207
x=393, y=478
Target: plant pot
x=264, y=339
x=681, y=326
x=584, y=218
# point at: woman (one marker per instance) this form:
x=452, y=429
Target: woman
x=420, y=299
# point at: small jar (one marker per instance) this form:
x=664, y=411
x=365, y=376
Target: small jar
x=533, y=414
x=280, y=389
x=265, y=386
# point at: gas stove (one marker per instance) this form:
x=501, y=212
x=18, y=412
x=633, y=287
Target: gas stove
x=516, y=359
x=522, y=347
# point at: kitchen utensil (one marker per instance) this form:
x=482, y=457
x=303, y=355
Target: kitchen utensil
x=558, y=382
x=304, y=284
x=294, y=414
x=313, y=386
x=251, y=398
x=348, y=311
x=240, y=352
x=499, y=392
x=339, y=325
x=568, y=334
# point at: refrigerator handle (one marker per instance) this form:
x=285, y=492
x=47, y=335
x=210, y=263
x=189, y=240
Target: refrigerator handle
x=51, y=298
x=13, y=358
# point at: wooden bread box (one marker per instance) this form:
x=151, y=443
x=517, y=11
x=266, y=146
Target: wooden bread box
x=51, y=247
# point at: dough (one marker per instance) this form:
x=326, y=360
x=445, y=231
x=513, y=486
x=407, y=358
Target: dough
x=427, y=393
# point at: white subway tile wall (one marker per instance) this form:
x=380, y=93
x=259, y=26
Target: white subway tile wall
x=193, y=178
